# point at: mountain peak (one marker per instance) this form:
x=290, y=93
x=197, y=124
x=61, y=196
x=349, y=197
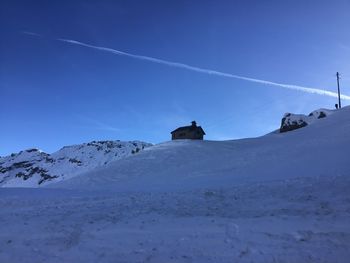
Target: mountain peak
x=33, y=167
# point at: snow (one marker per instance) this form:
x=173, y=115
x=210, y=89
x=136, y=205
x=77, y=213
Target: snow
x=283, y=197
x=312, y=117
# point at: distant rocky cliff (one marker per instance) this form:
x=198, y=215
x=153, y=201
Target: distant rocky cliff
x=33, y=168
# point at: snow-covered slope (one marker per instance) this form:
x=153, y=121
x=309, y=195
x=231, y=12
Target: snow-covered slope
x=283, y=197
x=319, y=149
x=34, y=168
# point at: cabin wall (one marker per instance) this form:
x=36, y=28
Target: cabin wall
x=193, y=135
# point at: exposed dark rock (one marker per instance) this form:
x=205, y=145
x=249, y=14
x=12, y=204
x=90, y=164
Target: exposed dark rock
x=32, y=150
x=135, y=151
x=295, y=121
x=322, y=115
x=73, y=160
x=36, y=170
x=290, y=126
x=21, y=174
x=23, y=164
x=4, y=169
x=46, y=177
x=49, y=160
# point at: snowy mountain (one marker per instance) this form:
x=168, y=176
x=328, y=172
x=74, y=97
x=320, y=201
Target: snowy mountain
x=33, y=168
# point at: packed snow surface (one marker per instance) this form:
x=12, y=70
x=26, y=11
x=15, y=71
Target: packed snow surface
x=283, y=197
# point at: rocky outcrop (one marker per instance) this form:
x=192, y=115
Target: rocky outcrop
x=295, y=121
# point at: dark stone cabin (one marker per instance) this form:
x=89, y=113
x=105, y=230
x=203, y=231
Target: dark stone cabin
x=193, y=132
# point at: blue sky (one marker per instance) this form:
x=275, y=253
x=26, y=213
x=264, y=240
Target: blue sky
x=54, y=93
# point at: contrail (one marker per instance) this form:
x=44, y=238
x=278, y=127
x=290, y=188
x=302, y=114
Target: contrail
x=31, y=33
x=208, y=71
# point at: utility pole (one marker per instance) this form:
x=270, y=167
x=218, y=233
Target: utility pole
x=339, y=103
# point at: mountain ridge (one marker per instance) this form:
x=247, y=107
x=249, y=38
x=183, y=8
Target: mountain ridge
x=33, y=167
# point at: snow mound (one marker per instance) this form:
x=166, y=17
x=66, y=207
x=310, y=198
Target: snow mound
x=33, y=168
x=295, y=121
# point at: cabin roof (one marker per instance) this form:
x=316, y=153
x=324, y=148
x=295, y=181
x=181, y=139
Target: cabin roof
x=189, y=128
